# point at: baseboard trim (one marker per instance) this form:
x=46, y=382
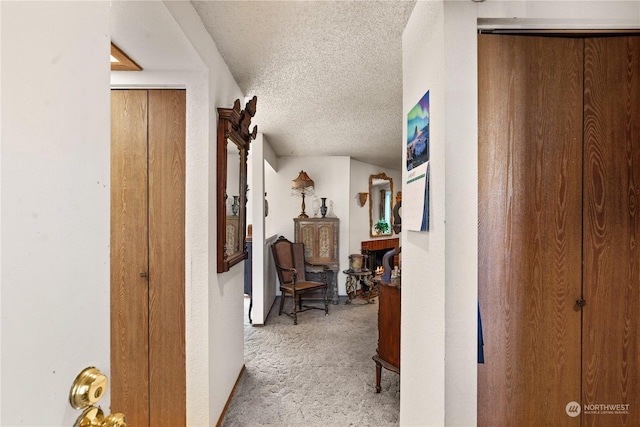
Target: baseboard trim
x=273, y=304
x=233, y=391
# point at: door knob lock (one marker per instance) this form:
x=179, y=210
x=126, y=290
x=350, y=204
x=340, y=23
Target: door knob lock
x=143, y=274
x=581, y=302
x=87, y=389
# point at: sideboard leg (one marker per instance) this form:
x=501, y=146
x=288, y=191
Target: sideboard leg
x=378, y=375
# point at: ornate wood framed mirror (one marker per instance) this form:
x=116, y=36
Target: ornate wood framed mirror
x=234, y=139
x=380, y=205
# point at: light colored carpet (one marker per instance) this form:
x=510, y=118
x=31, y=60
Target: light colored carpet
x=316, y=373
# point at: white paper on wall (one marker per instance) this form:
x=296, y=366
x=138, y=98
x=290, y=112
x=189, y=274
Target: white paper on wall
x=415, y=199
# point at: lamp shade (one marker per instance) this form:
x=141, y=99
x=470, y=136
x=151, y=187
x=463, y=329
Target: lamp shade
x=302, y=184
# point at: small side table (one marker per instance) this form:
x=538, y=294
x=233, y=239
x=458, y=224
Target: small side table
x=353, y=278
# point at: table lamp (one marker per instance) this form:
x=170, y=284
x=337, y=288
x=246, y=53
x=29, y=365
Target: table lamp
x=302, y=185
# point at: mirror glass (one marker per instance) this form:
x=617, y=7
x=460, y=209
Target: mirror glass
x=232, y=231
x=380, y=205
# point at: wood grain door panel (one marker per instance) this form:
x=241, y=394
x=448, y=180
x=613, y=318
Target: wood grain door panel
x=167, y=110
x=611, y=328
x=530, y=203
x=129, y=256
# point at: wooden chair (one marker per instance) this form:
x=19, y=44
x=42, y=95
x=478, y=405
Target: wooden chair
x=292, y=272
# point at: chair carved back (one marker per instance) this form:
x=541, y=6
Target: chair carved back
x=288, y=255
x=298, y=261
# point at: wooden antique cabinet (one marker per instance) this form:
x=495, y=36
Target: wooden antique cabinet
x=388, y=352
x=320, y=238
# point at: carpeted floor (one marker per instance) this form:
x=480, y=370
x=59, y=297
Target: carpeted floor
x=316, y=373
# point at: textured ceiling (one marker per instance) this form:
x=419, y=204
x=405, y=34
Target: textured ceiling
x=327, y=74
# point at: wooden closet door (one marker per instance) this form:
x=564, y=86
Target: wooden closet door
x=611, y=328
x=530, y=227
x=148, y=367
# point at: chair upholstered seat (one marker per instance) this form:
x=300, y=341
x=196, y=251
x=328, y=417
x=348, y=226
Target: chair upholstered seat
x=292, y=269
x=306, y=286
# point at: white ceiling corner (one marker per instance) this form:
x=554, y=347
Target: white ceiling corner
x=149, y=35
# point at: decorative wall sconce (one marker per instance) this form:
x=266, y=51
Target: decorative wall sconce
x=302, y=185
x=362, y=198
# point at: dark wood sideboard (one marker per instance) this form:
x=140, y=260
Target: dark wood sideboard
x=388, y=352
x=320, y=237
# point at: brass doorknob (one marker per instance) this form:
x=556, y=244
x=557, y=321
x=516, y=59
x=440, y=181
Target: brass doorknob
x=94, y=417
x=114, y=420
x=90, y=417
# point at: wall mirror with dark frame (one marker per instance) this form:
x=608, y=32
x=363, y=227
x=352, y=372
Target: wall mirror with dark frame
x=380, y=205
x=233, y=142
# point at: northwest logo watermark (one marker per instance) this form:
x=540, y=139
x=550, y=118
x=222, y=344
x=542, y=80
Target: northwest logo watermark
x=573, y=409
x=606, y=408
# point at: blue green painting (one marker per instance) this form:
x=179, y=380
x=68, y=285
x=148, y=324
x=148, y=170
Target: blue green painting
x=418, y=133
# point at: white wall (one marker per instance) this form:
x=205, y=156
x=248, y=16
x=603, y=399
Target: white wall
x=439, y=54
x=268, y=171
x=256, y=196
x=422, y=352
x=359, y=216
x=270, y=285
x=264, y=281
x=270, y=280
x=460, y=70
x=55, y=205
x=331, y=175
